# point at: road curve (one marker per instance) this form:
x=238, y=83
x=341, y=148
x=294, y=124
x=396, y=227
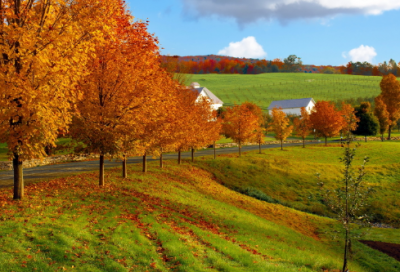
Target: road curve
x=52, y=171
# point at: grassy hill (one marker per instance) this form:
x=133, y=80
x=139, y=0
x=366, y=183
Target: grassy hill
x=265, y=88
x=183, y=218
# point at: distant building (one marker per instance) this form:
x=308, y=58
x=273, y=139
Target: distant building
x=204, y=92
x=293, y=106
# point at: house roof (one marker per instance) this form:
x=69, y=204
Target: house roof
x=211, y=96
x=292, y=103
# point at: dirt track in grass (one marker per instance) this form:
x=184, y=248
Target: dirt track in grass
x=393, y=250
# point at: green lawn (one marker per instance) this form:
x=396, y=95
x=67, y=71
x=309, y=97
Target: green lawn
x=265, y=88
x=288, y=176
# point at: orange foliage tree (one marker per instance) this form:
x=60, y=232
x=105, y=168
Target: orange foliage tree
x=382, y=114
x=390, y=96
x=326, y=120
x=302, y=125
x=280, y=125
x=241, y=123
x=118, y=90
x=350, y=119
x=44, y=49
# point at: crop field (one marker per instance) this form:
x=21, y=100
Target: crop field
x=265, y=88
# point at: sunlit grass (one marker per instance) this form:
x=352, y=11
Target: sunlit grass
x=179, y=218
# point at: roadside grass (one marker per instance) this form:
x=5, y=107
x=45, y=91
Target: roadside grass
x=179, y=218
x=289, y=177
x=262, y=89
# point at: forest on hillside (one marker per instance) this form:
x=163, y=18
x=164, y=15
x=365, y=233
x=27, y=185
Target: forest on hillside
x=210, y=64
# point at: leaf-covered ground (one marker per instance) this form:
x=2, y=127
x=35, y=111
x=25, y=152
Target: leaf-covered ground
x=176, y=219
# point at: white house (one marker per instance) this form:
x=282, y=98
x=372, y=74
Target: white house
x=204, y=92
x=293, y=106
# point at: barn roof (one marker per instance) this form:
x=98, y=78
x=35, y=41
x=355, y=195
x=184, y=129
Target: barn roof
x=211, y=96
x=292, y=103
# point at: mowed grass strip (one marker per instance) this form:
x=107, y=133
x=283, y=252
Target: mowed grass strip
x=176, y=219
x=265, y=88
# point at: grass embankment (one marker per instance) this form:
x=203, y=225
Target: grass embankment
x=265, y=88
x=180, y=219
x=289, y=177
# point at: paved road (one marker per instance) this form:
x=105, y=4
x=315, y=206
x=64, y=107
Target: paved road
x=52, y=171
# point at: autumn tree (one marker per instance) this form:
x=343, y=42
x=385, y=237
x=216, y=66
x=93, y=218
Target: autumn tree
x=390, y=96
x=302, y=124
x=280, y=125
x=118, y=90
x=241, y=123
x=326, y=120
x=382, y=114
x=350, y=119
x=44, y=47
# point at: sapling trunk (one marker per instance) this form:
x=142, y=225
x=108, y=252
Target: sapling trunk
x=390, y=132
x=18, y=178
x=192, y=154
x=326, y=141
x=240, y=149
x=179, y=157
x=101, y=174
x=161, y=160
x=365, y=138
x=281, y=144
x=259, y=147
x=304, y=144
x=215, y=151
x=124, y=168
x=145, y=163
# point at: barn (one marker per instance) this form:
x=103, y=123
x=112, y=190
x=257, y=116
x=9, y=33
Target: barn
x=204, y=92
x=293, y=106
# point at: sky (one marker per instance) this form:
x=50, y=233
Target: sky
x=320, y=32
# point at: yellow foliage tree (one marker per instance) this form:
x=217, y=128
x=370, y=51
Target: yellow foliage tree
x=44, y=47
x=118, y=91
x=241, y=123
x=280, y=125
x=390, y=96
x=382, y=114
x=302, y=125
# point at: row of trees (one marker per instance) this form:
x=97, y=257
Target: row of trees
x=229, y=65
x=83, y=68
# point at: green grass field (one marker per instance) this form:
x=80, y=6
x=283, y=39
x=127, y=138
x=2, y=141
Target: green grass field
x=288, y=177
x=183, y=219
x=265, y=88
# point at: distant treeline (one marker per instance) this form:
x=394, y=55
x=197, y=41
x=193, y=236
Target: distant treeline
x=213, y=64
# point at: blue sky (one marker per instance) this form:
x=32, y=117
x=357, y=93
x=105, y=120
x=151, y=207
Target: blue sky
x=321, y=32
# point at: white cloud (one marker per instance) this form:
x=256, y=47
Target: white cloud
x=246, y=48
x=285, y=10
x=361, y=54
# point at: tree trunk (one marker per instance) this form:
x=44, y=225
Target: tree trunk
x=304, y=144
x=192, y=154
x=346, y=243
x=382, y=137
x=124, y=168
x=179, y=157
x=390, y=132
x=240, y=149
x=215, y=151
x=326, y=141
x=161, y=160
x=18, y=178
x=281, y=144
x=145, y=163
x=259, y=147
x=101, y=174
